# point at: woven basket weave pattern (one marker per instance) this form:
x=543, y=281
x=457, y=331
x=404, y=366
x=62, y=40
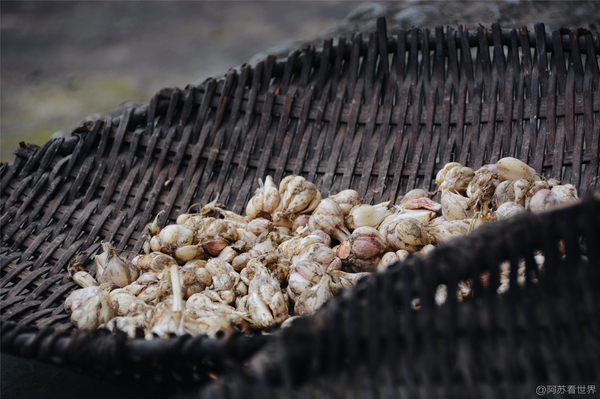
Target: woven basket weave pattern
x=378, y=114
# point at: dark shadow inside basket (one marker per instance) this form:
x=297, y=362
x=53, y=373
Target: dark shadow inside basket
x=377, y=113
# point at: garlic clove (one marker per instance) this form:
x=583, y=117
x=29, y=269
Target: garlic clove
x=402, y=254
x=366, y=242
x=566, y=193
x=505, y=192
x=174, y=235
x=240, y=261
x=508, y=209
x=425, y=250
x=346, y=199
x=329, y=218
x=388, y=259
x=228, y=254
x=368, y=215
x=84, y=279
x=543, y=200
x=455, y=206
x=214, y=247
x=111, y=268
x=77, y=297
x=457, y=180
x=259, y=226
x=186, y=253
x=513, y=169
x=441, y=175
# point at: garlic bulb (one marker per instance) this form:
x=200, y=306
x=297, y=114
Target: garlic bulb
x=77, y=297
x=265, y=200
x=154, y=261
x=455, y=206
x=368, y=215
x=513, y=169
x=312, y=299
x=408, y=231
x=297, y=195
x=299, y=222
x=481, y=188
x=320, y=253
x=565, y=193
x=214, y=247
x=508, y=209
x=543, y=200
x=173, y=236
x=186, y=253
x=388, y=259
x=457, y=180
x=94, y=310
x=227, y=255
x=364, y=243
x=346, y=199
x=441, y=175
x=126, y=304
x=111, y=268
x=84, y=279
x=259, y=226
x=328, y=217
x=447, y=230
x=505, y=192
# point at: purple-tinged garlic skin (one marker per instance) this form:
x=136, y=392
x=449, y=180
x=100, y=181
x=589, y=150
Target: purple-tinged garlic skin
x=366, y=242
x=415, y=194
x=111, y=268
x=329, y=218
x=422, y=203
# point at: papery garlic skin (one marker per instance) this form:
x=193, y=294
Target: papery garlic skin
x=455, y=206
x=265, y=201
x=411, y=232
x=111, y=268
x=366, y=242
x=505, y=192
x=174, y=236
x=457, y=180
x=346, y=199
x=297, y=194
x=94, y=310
x=368, y=215
x=329, y=218
x=388, y=259
x=543, y=200
x=444, y=231
x=415, y=193
x=508, y=209
x=77, y=297
x=441, y=175
x=565, y=193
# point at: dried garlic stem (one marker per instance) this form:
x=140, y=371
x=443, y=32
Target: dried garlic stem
x=177, y=297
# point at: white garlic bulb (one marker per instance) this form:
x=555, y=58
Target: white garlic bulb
x=328, y=217
x=543, y=200
x=111, y=268
x=457, y=180
x=455, y=206
x=265, y=201
x=565, y=193
x=508, y=209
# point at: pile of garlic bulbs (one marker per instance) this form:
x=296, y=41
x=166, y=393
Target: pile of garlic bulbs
x=216, y=270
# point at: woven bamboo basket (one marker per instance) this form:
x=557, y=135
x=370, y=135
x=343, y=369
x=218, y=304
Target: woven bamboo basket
x=380, y=115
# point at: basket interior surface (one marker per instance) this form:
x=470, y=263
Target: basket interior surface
x=377, y=113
